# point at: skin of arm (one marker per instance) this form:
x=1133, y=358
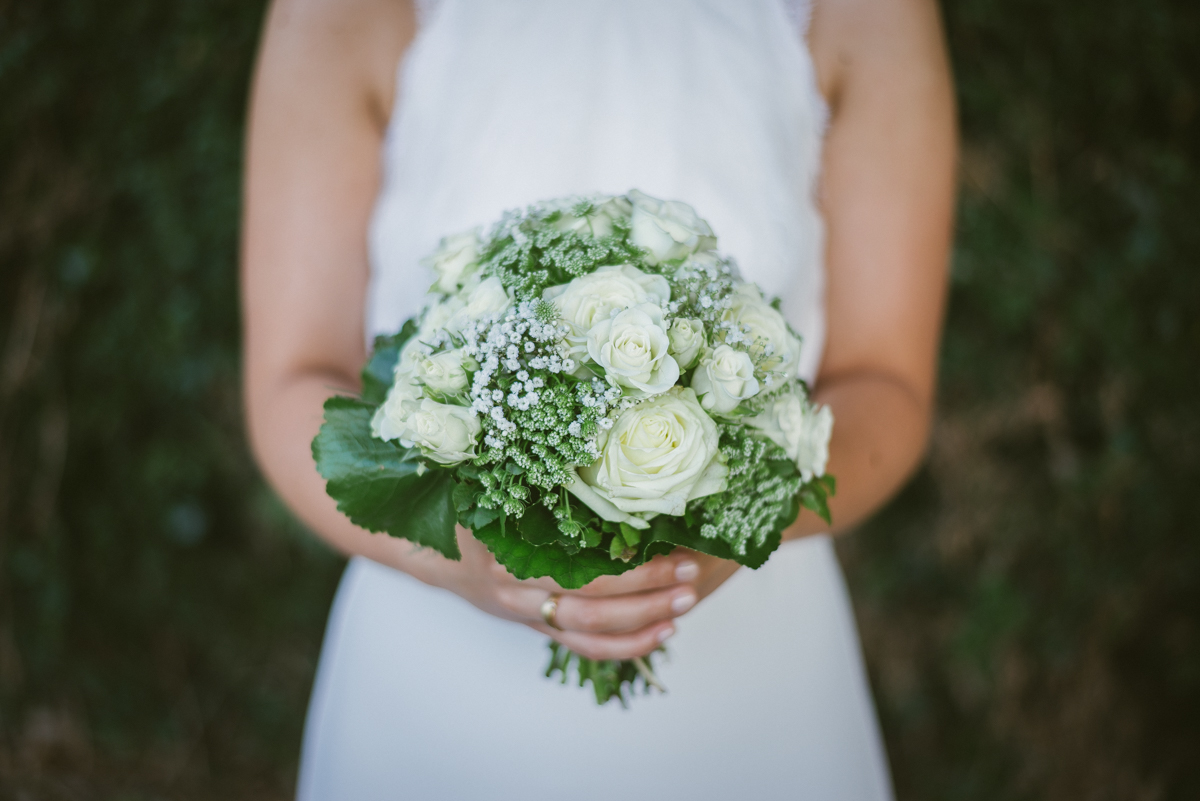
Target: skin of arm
x=321, y=98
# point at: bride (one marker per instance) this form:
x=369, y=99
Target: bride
x=818, y=142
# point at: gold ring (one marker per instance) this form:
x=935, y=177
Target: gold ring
x=550, y=610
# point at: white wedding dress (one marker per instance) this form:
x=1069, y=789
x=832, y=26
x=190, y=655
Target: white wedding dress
x=420, y=695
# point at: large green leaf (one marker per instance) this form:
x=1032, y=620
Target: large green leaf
x=378, y=484
x=666, y=532
x=526, y=560
x=377, y=374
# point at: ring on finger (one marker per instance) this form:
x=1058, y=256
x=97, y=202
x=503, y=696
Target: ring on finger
x=550, y=610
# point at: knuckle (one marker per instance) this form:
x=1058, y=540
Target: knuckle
x=506, y=597
x=587, y=616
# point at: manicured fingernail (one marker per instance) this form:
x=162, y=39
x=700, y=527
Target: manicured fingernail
x=665, y=633
x=683, y=603
x=686, y=571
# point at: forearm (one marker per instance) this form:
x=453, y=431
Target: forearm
x=879, y=434
x=283, y=421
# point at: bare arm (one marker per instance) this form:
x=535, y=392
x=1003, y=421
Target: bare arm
x=321, y=98
x=888, y=192
x=316, y=122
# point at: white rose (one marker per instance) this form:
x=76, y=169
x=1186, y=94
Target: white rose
x=439, y=315
x=687, y=340
x=724, y=379
x=800, y=428
x=388, y=422
x=632, y=348
x=605, y=210
x=444, y=373
x=658, y=456
x=445, y=433
x=772, y=342
x=668, y=229
x=590, y=298
x=456, y=257
x=489, y=297
x=707, y=263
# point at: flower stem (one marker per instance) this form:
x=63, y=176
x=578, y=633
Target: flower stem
x=647, y=673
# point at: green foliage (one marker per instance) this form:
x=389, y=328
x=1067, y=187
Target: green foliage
x=610, y=678
x=377, y=374
x=382, y=486
x=525, y=560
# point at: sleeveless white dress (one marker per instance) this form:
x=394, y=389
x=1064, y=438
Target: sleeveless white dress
x=501, y=103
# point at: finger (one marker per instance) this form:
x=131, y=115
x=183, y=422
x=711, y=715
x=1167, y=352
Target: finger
x=622, y=613
x=659, y=572
x=612, y=646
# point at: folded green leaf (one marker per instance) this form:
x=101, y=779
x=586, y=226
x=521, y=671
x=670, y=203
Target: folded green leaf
x=526, y=560
x=377, y=484
x=537, y=525
x=666, y=532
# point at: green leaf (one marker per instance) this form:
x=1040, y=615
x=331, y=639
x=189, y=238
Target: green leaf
x=479, y=517
x=816, y=503
x=666, y=532
x=815, y=496
x=526, y=560
x=617, y=549
x=464, y=496
x=377, y=375
x=538, y=525
x=376, y=483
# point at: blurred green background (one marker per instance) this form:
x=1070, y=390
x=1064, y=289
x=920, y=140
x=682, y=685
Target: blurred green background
x=1029, y=604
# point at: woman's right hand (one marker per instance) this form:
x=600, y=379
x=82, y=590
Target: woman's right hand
x=614, y=617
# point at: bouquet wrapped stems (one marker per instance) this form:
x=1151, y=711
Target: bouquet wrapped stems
x=590, y=384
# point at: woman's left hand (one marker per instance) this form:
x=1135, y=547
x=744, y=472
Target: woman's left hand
x=587, y=625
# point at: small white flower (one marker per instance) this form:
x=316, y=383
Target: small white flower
x=445, y=433
x=590, y=298
x=632, y=348
x=488, y=298
x=766, y=330
x=455, y=259
x=444, y=372
x=724, y=379
x=687, y=341
x=668, y=229
x=800, y=428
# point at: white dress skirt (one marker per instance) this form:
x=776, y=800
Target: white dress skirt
x=420, y=695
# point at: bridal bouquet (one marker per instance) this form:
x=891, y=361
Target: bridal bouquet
x=590, y=384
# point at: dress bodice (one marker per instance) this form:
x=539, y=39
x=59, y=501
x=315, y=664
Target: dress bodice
x=713, y=102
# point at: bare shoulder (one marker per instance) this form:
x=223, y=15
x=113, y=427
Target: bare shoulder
x=347, y=47
x=858, y=41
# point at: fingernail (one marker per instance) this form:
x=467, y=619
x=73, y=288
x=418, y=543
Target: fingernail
x=683, y=603
x=665, y=633
x=686, y=571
